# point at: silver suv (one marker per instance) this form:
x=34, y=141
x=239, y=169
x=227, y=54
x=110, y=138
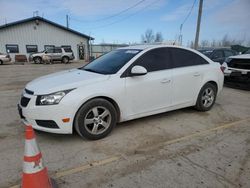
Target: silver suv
x=4, y=58
x=56, y=54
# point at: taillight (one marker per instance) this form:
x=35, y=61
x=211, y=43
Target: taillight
x=222, y=68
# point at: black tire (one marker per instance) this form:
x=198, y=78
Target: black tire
x=37, y=60
x=1, y=62
x=65, y=60
x=86, y=112
x=201, y=103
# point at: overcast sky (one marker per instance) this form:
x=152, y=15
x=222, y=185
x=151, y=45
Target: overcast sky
x=100, y=18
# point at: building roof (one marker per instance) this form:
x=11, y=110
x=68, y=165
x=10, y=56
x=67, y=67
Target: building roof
x=47, y=21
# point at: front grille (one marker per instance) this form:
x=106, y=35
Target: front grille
x=239, y=63
x=25, y=101
x=47, y=123
x=29, y=92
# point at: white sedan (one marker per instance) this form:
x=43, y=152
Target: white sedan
x=125, y=84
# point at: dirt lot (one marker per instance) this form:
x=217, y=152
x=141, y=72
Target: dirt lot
x=183, y=148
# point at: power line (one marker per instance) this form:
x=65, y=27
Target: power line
x=189, y=13
x=184, y=21
x=111, y=16
x=124, y=18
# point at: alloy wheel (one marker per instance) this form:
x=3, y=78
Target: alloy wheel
x=97, y=120
x=208, y=97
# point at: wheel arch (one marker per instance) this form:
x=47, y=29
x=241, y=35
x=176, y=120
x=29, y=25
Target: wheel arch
x=112, y=101
x=65, y=56
x=37, y=57
x=212, y=82
x=208, y=81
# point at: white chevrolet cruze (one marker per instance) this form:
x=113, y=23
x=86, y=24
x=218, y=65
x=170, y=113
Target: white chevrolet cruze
x=124, y=84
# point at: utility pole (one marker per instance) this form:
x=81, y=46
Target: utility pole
x=196, y=43
x=67, y=21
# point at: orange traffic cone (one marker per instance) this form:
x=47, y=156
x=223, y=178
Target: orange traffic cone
x=35, y=175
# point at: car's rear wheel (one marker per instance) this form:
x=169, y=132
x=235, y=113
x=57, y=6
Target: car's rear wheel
x=37, y=60
x=206, y=97
x=95, y=119
x=1, y=62
x=65, y=60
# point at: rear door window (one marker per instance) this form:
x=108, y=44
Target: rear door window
x=184, y=58
x=57, y=50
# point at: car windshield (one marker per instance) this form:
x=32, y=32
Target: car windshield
x=111, y=62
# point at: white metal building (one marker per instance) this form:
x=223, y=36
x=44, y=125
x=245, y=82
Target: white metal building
x=100, y=49
x=37, y=34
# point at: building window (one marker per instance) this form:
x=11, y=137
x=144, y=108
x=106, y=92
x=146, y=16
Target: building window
x=12, y=48
x=31, y=48
x=67, y=48
x=46, y=47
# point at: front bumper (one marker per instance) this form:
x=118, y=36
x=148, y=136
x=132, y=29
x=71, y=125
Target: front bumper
x=52, y=114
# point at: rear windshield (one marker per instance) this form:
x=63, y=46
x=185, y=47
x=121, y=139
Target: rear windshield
x=111, y=62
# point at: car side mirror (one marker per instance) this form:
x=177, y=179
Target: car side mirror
x=45, y=52
x=138, y=71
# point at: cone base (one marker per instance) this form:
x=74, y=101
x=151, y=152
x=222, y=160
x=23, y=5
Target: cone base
x=36, y=180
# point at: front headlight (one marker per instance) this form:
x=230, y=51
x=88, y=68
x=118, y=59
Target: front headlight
x=51, y=99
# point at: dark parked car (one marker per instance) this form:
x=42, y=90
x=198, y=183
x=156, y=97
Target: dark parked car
x=219, y=54
x=237, y=71
x=247, y=52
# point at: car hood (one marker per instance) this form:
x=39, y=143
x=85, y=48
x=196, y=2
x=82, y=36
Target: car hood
x=64, y=80
x=242, y=56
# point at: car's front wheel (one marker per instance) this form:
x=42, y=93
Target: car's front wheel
x=95, y=119
x=206, y=97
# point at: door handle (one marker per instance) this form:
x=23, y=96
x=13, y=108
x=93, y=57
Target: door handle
x=197, y=74
x=165, y=80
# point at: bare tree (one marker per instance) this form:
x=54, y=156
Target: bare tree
x=192, y=44
x=213, y=43
x=226, y=41
x=158, y=37
x=205, y=43
x=148, y=37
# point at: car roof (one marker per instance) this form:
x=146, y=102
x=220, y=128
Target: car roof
x=242, y=56
x=152, y=46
